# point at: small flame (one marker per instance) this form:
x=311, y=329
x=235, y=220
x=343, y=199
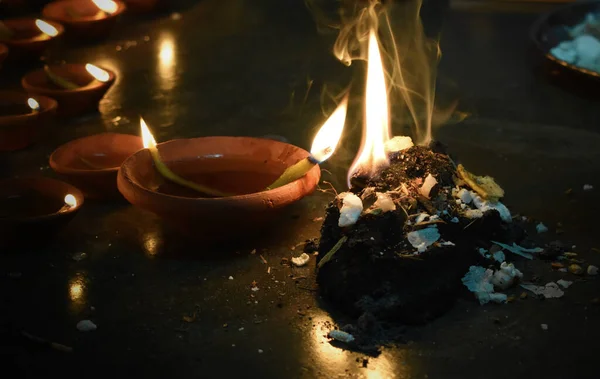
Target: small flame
x=107, y=6
x=147, y=138
x=372, y=155
x=71, y=201
x=33, y=104
x=98, y=73
x=46, y=28
x=328, y=136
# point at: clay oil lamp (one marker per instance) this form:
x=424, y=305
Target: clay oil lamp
x=216, y=187
x=23, y=119
x=141, y=6
x=91, y=163
x=78, y=88
x=33, y=210
x=85, y=19
x=28, y=38
x=3, y=53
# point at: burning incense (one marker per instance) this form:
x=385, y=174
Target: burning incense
x=150, y=144
x=323, y=146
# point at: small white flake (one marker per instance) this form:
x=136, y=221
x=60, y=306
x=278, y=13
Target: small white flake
x=241, y=329
x=428, y=185
x=421, y=217
x=341, y=336
x=588, y=187
x=465, y=196
x=384, y=202
x=254, y=289
x=260, y=351
x=79, y=256
x=592, y=270
x=301, y=260
x=544, y=326
x=231, y=278
x=422, y=239
x=398, y=143
x=506, y=276
x=455, y=220
x=564, y=283
x=550, y=290
x=86, y=326
x=352, y=207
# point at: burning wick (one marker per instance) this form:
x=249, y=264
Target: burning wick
x=46, y=28
x=70, y=202
x=323, y=147
x=33, y=104
x=107, y=6
x=150, y=144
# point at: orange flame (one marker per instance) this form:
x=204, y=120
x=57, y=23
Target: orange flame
x=46, y=28
x=33, y=104
x=147, y=139
x=98, y=73
x=107, y=6
x=372, y=154
x=328, y=137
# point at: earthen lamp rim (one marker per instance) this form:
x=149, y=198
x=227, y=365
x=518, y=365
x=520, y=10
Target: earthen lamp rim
x=47, y=104
x=61, y=169
x=32, y=180
x=121, y=7
x=199, y=200
x=93, y=85
x=37, y=38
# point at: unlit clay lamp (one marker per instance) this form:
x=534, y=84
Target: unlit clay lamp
x=85, y=19
x=23, y=119
x=91, y=163
x=29, y=38
x=78, y=88
x=33, y=210
x=241, y=166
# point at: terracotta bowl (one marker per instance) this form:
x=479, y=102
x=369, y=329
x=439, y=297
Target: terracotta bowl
x=91, y=163
x=32, y=210
x=240, y=165
x=82, y=18
x=3, y=53
x=141, y=6
x=71, y=103
x=23, y=128
x=29, y=42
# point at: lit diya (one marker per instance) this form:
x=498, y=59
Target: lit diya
x=23, y=119
x=208, y=186
x=38, y=207
x=78, y=88
x=91, y=163
x=85, y=19
x=29, y=37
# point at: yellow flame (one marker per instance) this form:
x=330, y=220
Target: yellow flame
x=328, y=136
x=107, y=6
x=71, y=201
x=98, y=73
x=46, y=28
x=372, y=155
x=147, y=138
x=33, y=104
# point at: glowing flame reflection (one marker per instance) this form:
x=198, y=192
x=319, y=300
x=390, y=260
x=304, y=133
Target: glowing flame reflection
x=167, y=62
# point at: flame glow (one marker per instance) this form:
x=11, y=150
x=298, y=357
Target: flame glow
x=147, y=138
x=372, y=155
x=71, y=201
x=98, y=73
x=46, y=28
x=33, y=104
x=107, y=6
x=328, y=136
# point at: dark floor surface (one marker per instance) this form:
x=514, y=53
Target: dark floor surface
x=241, y=68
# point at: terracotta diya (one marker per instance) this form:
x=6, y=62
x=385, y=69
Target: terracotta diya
x=240, y=166
x=78, y=88
x=91, y=163
x=29, y=37
x=85, y=19
x=23, y=119
x=32, y=210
